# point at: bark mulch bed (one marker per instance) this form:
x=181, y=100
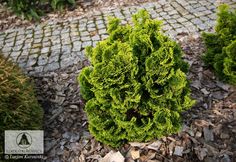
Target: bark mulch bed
x=208, y=133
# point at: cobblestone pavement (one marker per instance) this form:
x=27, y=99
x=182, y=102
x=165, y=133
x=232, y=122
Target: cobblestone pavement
x=53, y=45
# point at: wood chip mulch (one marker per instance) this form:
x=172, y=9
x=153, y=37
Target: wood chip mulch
x=208, y=133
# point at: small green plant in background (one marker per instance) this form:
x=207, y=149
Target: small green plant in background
x=28, y=9
x=136, y=86
x=33, y=9
x=19, y=109
x=221, y=45
x=60, y=4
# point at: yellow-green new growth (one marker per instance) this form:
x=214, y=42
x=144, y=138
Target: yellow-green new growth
x=136, y=87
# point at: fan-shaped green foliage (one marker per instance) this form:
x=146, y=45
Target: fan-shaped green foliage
x=221, y=45
x=19, y=109
x=136, y=86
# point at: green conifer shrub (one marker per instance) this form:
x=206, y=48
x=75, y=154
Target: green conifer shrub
x=221, y=45
x=136, y=86
x=19, y=108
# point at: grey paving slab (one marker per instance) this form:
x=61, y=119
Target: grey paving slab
x=52, y=45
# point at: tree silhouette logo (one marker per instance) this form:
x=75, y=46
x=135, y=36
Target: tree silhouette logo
x=24, y=140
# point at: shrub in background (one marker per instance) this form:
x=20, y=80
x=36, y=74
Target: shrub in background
x=19, y=109
x=28, y=9
x=33, y=9
x=136, y=86
x=60, y=4
x=221, y=45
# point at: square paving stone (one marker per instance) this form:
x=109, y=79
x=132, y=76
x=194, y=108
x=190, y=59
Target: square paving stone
x=95, y=38
x=15, y=53
x=54, y=58
x=35, y=50
x=56, y=32
x=87, y=43
x=67, y=62
x=86, y=38
x=25, y=52
x=17, y=48
x=45, y=50
x=47, y=44
x=42, y=59
x=83, y=34
x=102, y=31
x=32, y=60
x=51, y=67
x=39, y=69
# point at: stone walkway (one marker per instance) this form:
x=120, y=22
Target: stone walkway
x=53, y=45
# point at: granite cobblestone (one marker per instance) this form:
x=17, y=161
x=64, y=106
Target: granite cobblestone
x=49, y=46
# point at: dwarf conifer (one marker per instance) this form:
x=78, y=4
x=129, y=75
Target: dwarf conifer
x=136, y=86
x=221, y=45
